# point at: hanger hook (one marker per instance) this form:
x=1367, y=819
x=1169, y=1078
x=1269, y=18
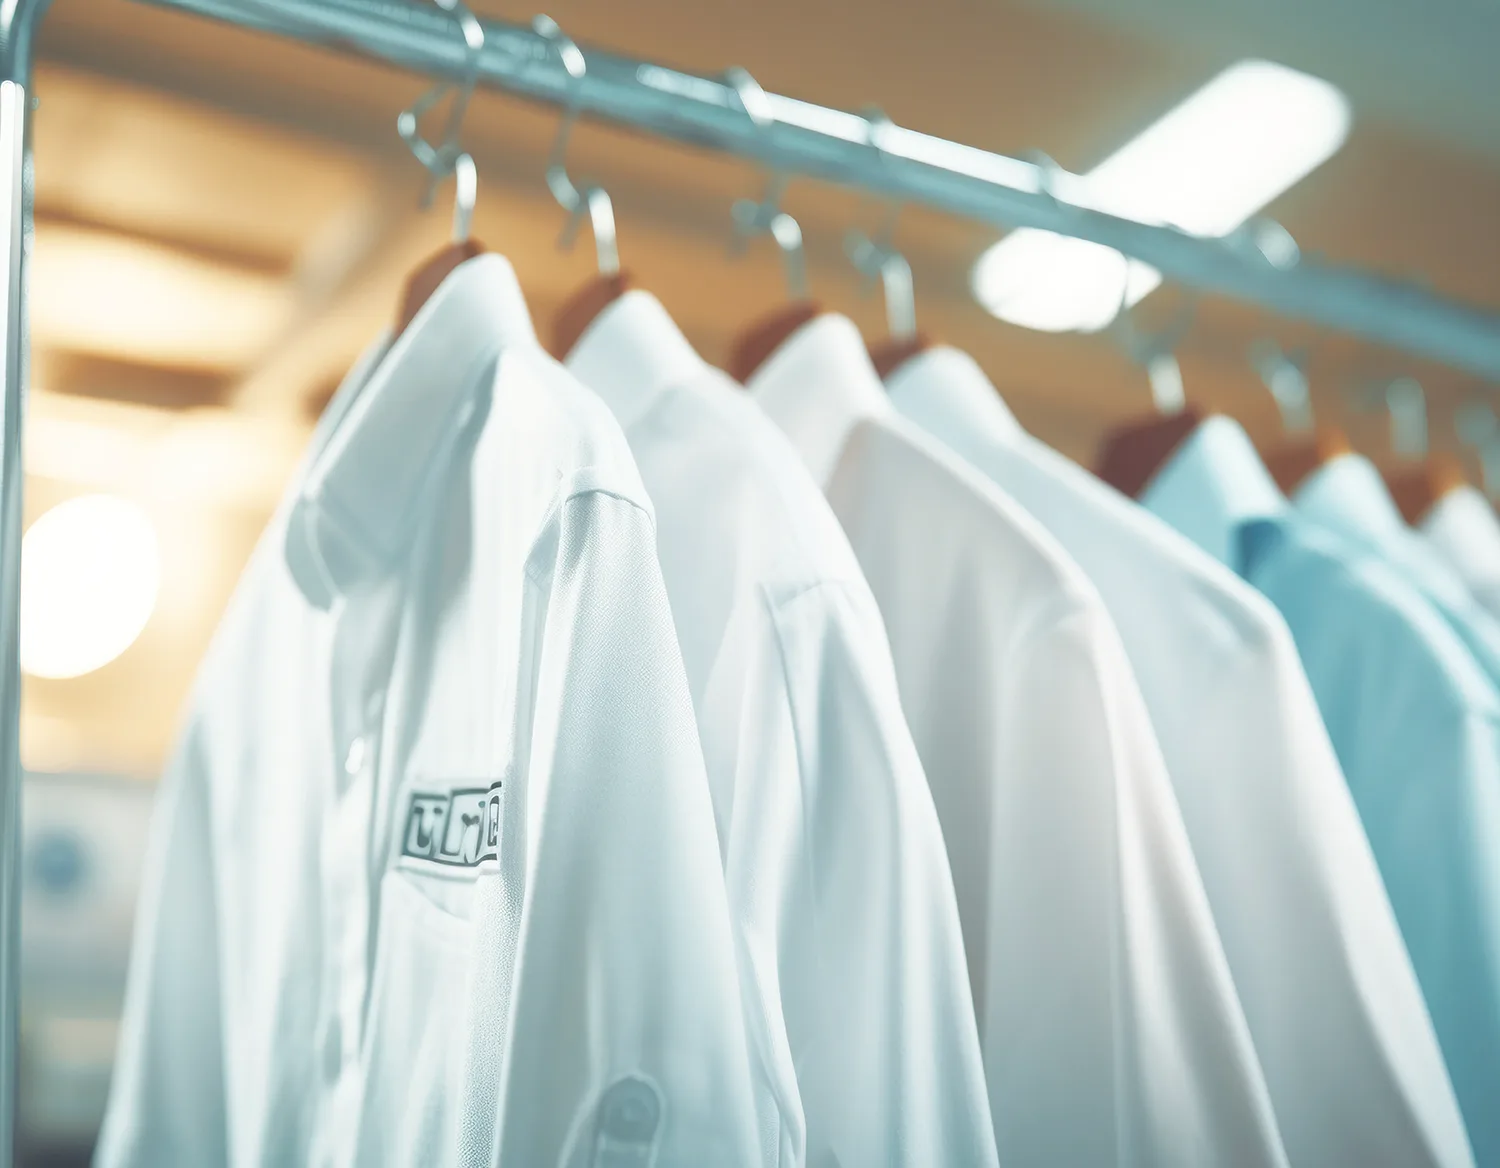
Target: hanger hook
x=465, y=195
x=876, y=256
x=1285, y=375
x=1408, y=409
x=766, y=216
x=1477, y=426
x=591, y=200
x=447, y=158
x=1156, y=352
x=1266, y=240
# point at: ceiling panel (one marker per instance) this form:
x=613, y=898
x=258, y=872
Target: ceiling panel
x=1429, y=67
x=99, y=292
x=166, y=167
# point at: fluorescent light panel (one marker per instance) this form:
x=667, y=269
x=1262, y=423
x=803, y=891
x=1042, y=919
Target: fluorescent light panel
x=1206, y=167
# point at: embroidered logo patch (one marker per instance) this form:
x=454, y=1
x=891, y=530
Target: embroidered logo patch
x=456, y=829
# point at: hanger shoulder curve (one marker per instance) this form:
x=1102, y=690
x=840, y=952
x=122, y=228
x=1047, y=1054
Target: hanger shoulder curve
x=426, y=279
x=753, y=347
x=1130, y=455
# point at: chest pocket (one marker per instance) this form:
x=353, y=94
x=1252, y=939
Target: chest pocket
x=446, y=838
x=413, y=1049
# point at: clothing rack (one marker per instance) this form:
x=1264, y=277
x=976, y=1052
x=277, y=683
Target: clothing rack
x=789, y=138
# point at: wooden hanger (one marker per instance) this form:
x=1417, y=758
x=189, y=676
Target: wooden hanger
x=583, y=308
x=1131, y=455
x=425, y=280
x=889, y=354
x=1292, y=462
x=1417, y=488
x=755, y=345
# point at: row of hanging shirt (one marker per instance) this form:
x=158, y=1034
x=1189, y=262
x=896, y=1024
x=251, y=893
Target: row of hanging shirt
x=600, y=764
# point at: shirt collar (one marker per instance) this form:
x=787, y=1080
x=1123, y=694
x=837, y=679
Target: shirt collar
x=631, y=354
x=358, y=503
x=1213, y=485
x=817, y=387
x=946, y=392
x=1348, y=496
x=301, y=555
x=1463, y=525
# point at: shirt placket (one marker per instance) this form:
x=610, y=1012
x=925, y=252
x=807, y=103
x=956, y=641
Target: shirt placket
x=359, y=677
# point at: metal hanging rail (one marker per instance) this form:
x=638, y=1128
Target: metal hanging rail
x=794, y=138
x=786, y=136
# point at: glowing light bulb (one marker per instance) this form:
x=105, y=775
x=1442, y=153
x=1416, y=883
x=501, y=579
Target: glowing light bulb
x=90, y=569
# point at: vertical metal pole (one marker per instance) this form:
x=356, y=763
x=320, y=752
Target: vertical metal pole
x=18, y=21
x=12, y=365
x=12, y=346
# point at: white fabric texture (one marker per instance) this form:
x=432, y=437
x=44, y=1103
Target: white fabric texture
x=1111, y=1031
x=1339, y=1023
x=434, y=878
x=834, y=859
x=1463, y=529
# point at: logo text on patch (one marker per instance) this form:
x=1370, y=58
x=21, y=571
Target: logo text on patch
x=457, y=829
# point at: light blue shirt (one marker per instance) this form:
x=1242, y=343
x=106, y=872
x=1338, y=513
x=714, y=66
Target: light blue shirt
x=1415, y=722
x=1348, y=496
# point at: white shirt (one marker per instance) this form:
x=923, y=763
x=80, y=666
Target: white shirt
x=1339, y=1023
x=1463, y=529
x=834, y=860
x=1110, y=1026
x=434, y=879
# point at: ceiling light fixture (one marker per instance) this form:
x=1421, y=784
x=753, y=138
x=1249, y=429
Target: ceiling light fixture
x=1205, y=167
x=90, y=569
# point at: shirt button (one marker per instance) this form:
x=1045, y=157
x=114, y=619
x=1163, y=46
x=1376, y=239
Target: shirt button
x=354, y=761
x=333, y=1050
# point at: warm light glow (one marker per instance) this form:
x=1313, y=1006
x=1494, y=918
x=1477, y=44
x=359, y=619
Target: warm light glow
x=1206, y=167
x=202, y=458
x=93, y=291
x=90, y=568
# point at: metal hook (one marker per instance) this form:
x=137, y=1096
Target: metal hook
x=753, y=218
x=1048, y=172
x=1477, y=426
x=1051, y=179
x=465, y=195
x=1267, y=240
x=1285, y=375
x=592, y=200
x=1408, y=408
x=1156, y=352
x=444, y=159
x=877, y=257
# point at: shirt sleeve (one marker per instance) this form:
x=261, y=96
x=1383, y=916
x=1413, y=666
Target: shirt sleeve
x=845, y=913
x=167, y=1102
x=1111, y=1023
x=1414, y=723
x=623, y=1029
x=1338, y=1019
